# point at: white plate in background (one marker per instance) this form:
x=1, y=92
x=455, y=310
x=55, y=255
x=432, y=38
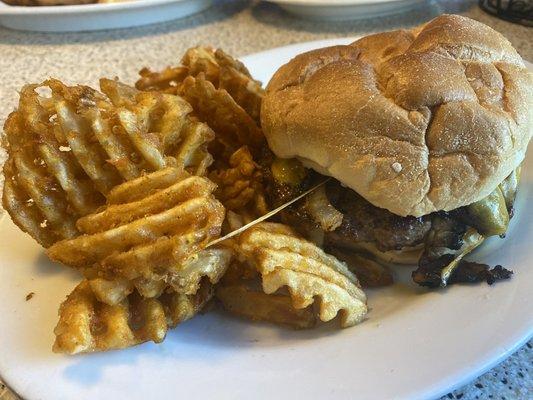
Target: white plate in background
x=342, y=10
x=416, y=344
x=93, y=17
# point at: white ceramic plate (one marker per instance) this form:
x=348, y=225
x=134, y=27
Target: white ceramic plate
x=93, y=17
x=339, y=10
x=415, y=344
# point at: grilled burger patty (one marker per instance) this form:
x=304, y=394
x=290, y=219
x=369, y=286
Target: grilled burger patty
x=362, y=222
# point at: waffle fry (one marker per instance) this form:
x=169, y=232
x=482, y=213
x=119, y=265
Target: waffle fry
x=87, y=325
x=69, y=149
x=150, y=237
x=222, y=70
x=159, y=127
x=240, y=187
x=210, y=264
x=241, y=294
x=243, y=301
x=285, y=260
x=233, y=126
x=165, y=81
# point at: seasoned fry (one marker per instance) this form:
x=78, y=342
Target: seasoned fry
x=87, y=325
x=240, y=186
x=285, y=260
x=227, y=73
x=209, y=263
x=152, y=237
x=233, y=126
x=68, y=149
x=223, y=71
x=166, y=81
x=160, y=128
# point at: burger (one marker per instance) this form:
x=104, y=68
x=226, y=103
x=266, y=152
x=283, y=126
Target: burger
x=420, y=134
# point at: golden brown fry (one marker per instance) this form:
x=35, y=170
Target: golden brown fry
x=87, y=325
x=233, y=126
x=285, y=260
x=224, y=72
x=152, y=237
x=240, y=186
x=241, y=300
x=68, y=148
x=159, y=127
x=208, y=264
x=202, y=60
x=166, y=81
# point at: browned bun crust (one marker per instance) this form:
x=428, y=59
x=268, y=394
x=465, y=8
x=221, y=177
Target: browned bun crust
x=414, y=121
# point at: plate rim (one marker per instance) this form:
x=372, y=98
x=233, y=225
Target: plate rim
x=6, y=9
x=334, y=4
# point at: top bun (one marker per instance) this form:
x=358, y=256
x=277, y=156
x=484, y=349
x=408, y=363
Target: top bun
x=414, y=121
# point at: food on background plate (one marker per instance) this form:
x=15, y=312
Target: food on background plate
x=423, y=131
x=58, y=2
x=135, y=187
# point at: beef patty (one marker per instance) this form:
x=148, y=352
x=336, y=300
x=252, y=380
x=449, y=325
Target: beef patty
x=362, y=222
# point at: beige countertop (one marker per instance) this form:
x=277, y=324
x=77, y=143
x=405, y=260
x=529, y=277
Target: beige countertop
x=239, y=27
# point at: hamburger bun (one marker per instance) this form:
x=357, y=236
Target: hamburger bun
x=415, y=121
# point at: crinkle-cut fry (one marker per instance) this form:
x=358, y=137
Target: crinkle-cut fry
x=225, y=60
x=202, y=60
x=165, y=81
x=186, y=278
x=120, y=94
x=232, y=124
x=211, y=263
x=285, y=260
x=68, y=149
x=87, y=325
x=240, y=186
x=32, y=178
x=241, y=300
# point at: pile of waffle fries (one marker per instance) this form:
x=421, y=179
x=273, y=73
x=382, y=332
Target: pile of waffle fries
x=131, y=185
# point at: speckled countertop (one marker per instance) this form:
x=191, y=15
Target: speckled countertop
x=239, y=27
